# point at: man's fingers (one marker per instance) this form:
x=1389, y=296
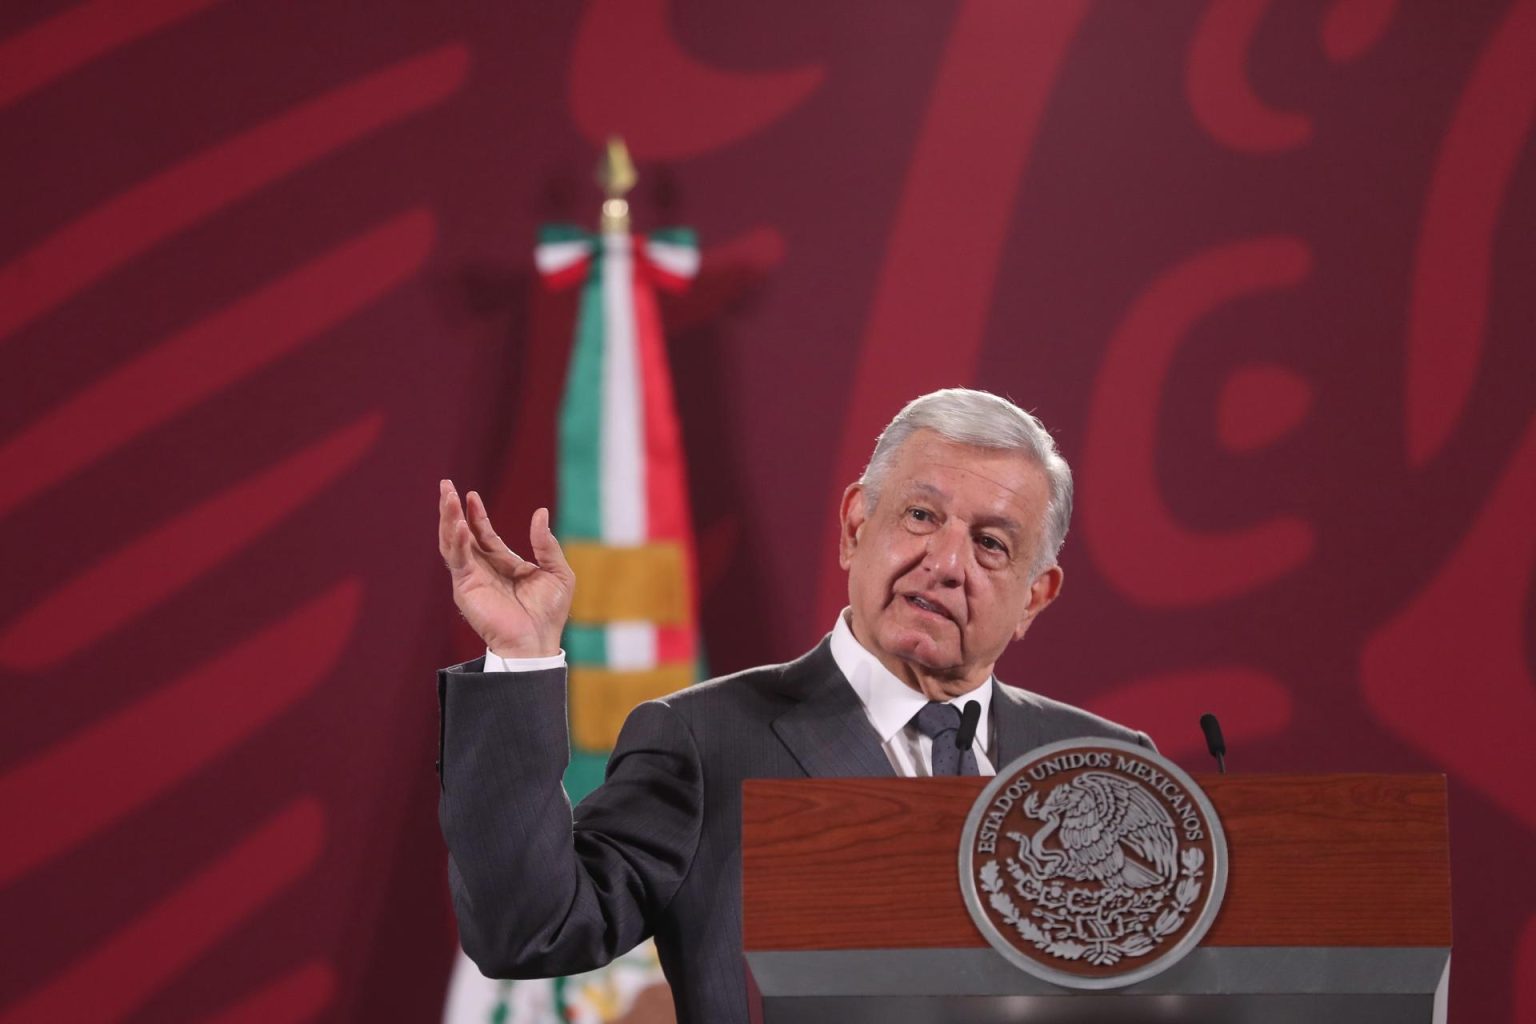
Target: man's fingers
x=474, y=507
x=465, y=533
x=546, y=548
x=484, y=532
x=449, y=516
x=463, y=548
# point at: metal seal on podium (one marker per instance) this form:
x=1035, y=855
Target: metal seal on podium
x=1093, y=863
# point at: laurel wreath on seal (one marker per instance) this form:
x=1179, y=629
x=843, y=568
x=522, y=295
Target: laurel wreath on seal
x=1068, y=941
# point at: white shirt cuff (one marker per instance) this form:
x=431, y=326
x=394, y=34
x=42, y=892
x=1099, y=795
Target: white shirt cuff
x=496, y=663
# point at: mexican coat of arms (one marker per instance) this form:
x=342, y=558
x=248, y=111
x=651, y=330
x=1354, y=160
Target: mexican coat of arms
x=1093, y=863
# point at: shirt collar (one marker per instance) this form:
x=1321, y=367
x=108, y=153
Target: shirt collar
x=889, y=702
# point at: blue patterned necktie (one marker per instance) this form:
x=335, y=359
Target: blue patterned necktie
x=940, y=722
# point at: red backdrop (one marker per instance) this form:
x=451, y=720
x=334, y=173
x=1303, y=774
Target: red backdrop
x=264, y=278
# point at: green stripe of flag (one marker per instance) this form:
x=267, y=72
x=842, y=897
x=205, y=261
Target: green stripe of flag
x=554, y=233
x=580, y=508
x=586, y=645
x=584, y=774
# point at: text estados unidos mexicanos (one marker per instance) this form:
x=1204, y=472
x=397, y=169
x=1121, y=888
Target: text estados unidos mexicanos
x=1178, y=800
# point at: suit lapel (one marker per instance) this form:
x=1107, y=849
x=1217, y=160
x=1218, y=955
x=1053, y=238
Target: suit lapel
x=827, y=730
x=1018, y=724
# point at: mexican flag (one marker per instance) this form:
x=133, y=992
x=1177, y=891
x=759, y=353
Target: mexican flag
x=622, y=517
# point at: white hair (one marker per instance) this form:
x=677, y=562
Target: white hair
x=982, y=420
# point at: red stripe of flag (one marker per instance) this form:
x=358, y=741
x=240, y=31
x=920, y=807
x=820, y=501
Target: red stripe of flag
x=666, y=478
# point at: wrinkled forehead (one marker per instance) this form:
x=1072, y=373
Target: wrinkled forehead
x=996, y=486
x=930, y=465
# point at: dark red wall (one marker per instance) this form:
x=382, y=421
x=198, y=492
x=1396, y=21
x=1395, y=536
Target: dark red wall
x=1266, y=269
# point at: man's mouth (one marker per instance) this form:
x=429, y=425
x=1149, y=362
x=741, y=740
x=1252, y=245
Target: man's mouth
x=922, y=604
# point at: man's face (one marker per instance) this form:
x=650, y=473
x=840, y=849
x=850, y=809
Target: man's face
x=939, y=577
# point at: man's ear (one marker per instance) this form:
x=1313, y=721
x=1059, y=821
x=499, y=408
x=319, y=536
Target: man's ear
x=851, y=516
x=1042, y=592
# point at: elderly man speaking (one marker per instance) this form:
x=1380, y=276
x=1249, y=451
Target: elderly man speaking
x=949, y=539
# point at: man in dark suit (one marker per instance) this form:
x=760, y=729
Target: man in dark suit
x=950, y=540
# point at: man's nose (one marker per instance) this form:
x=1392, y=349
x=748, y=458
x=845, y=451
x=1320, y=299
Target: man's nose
x=948, y=554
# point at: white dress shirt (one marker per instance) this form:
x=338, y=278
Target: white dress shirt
x=890, y=703
x=496, y=663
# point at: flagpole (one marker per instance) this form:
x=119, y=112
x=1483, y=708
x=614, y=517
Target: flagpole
x=616, y=176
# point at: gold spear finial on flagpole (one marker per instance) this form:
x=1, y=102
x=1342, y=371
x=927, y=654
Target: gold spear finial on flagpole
x=616, y=175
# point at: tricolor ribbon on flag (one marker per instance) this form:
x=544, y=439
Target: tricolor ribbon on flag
x=622, y=514
x=623, y=520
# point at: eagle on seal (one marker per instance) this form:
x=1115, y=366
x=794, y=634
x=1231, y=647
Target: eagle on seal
x=1096, y=818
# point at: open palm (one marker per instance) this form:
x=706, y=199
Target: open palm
x=518, y=607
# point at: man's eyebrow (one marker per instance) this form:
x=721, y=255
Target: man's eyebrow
x=1002, y=522
x=929, y=490
x=1005, y=523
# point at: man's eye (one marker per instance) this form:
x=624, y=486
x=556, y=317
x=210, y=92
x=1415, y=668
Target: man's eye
x=920, y=515
x=992, y=543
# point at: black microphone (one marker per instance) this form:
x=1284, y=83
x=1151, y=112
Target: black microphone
x=969, y=716
x=1213, y=741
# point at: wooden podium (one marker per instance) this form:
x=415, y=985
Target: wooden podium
x=1337, y=909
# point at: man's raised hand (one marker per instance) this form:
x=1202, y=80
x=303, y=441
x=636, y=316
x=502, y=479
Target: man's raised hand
x=518, y=607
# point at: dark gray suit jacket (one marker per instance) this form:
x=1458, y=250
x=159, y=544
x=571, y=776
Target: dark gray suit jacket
x=656, y=850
